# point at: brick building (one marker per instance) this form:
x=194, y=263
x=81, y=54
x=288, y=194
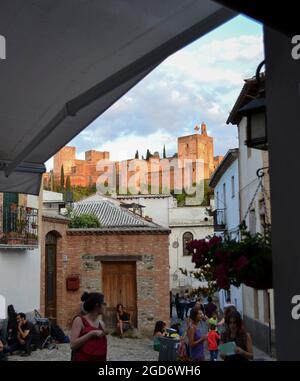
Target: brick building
x=84, y=172
x=199, y=146
x=126, y=259
x=81, y=172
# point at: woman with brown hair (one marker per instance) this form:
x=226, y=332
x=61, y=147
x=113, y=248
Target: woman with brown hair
x=235, y=332
x=195, y=336
x=88, y=336
x=123, y=320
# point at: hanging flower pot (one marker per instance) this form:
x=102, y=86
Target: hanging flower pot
x=226, y=262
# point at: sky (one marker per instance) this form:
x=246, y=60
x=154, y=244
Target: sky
x=199, y=83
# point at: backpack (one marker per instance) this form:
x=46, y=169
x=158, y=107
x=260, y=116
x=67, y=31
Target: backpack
x=57, y=333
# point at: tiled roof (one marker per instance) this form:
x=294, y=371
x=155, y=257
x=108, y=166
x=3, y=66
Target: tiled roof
x=110, y=213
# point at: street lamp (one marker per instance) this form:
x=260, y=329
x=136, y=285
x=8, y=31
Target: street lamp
x=255, y=111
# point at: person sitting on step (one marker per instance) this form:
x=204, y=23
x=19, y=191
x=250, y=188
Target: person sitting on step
x=123, y=320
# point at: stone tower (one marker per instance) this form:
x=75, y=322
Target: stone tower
x=198, y=146
x=66, y=157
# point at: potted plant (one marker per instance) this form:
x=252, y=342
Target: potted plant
x=34, y=225
x=4, y=240
x=226, y=262
x=31, y=239
x=13, y=238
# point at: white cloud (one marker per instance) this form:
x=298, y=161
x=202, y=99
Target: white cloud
x=208, y=63
x=124, y=147
x=198, y=83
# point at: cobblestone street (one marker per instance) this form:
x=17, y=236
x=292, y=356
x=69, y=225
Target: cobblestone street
x=118, y=350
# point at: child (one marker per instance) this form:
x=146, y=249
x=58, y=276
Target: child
x=213, y=339
x=159, y=331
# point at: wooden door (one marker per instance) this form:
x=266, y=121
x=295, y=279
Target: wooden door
x=119, y=286
x=50, y=276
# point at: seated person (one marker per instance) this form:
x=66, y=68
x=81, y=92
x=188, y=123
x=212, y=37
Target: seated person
x=159, y=331
x=12, y=330
x=123, y=320
x=25, y=334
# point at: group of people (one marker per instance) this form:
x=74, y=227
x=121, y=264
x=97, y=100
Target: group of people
x=17, y=335
x=186, y=302
x=89, y=341
x=204, y=328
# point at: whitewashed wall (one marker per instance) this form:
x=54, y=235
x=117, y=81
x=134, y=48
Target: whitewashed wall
x=20, y=278
x=20, y=274
x=155, y=207
x=232, y=213
x=248, y=165
x=182, y=220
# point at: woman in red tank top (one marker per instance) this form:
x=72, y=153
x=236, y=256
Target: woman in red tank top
x=88, y=338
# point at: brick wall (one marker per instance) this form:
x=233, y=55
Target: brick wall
x=76, y=255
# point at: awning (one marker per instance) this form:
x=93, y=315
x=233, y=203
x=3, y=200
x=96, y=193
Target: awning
x=68, y=61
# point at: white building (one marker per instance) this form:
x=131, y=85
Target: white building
x=155, y=206
x=186, y=223
x=53, y=203
x=255, y=211
x=225, y=182
x=19, y=252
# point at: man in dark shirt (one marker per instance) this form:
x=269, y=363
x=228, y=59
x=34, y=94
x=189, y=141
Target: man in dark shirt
x=25, y=333
x=210, y=308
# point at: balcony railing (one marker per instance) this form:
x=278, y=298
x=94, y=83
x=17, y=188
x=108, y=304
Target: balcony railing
x=18, y=226
x=219, y=219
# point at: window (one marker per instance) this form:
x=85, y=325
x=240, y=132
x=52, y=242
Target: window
x=217, y=200
x=186, y=238
x=224, y=196
x=232, y=187
x=10, y=211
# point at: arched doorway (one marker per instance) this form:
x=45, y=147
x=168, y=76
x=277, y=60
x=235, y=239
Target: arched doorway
x=50, y=274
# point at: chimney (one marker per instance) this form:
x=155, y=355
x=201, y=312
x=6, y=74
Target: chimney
x=203, y=129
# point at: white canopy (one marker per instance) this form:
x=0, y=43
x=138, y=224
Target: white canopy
x=68, y=61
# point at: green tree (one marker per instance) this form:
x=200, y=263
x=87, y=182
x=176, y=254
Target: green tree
x=62, y=178
x=136, y=155
x=148, y=155
x=68, y=184
x=164, y=152
x=85, y=221
x=52, y=182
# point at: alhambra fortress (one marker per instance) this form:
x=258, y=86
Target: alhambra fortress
x=198, y=146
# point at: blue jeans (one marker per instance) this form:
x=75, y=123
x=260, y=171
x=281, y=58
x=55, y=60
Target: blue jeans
x=214, y=355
